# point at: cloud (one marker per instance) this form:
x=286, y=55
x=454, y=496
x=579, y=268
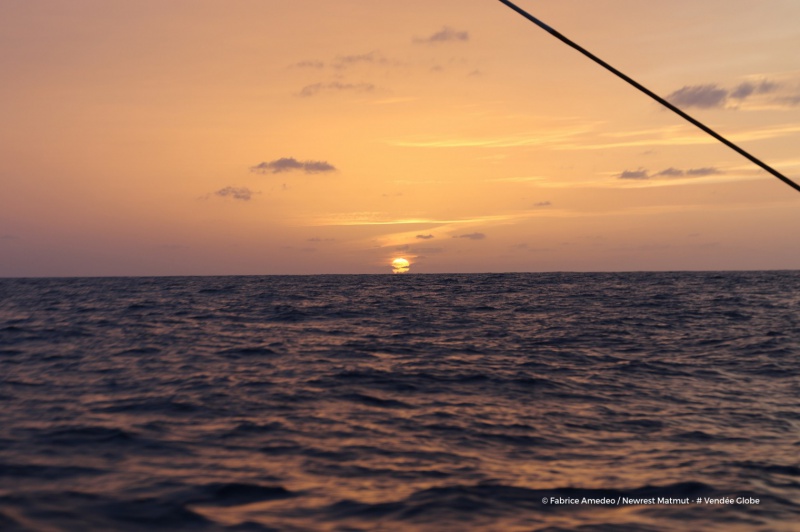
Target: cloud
x=284, y=164
x=341, y=62
x=357, y=58
x=743, y=91
x=335, y=86
x=316, y=167
x=634, y=174
x=670, y=172
x=318, y=239
x=701, y=172
x=472, y=236
x=789, y=101
x=748, y=88
x=711, y=96
x=540, y=204
x=704, y=96
x=371, y=58
x=237, y=193
x=446, y=34
x=289, y=164
x=424, y=237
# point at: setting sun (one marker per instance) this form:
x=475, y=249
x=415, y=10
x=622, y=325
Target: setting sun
x=400, y=265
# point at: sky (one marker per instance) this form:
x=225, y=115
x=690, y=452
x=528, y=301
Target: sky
x=247, y=137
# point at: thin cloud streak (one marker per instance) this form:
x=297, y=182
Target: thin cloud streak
x=392, y=240
x=472, y=236
x=689, y=140
x=569, y=140
x=376, y=218
x=335, y=86
x=373, y=58
x=618, y=183
x=669, y=173
x=531, y=139
x=445, y=35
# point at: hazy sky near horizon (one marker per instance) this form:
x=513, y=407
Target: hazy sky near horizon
x=194, y=137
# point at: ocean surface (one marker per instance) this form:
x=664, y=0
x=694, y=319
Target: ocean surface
x=502, y=402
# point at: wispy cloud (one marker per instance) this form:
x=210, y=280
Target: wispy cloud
x=444, y=35
x=546, y=137
x=345, y=61
x=668, y=173
x=472, y=236
x=585, y=136
x=367, y=218
x=357, y=58
x=334, y=86
x=370, y=58
x=702, y=172
x=424, y=237
x=289, y=164
x=727, y=177
x=678, y=136
x=237, y=193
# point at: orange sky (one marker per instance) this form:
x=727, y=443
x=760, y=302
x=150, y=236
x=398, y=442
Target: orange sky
x=184, y=137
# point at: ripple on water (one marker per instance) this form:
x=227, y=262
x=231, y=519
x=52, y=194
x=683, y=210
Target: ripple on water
x=430, y=402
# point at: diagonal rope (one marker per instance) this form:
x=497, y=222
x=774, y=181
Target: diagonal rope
x=653, y=95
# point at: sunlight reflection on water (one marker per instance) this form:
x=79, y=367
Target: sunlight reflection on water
x=307, y=403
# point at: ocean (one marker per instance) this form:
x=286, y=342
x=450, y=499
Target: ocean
x=500, y=402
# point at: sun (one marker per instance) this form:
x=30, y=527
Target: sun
x=400, y=265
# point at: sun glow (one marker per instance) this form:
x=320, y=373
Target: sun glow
x=400, y=265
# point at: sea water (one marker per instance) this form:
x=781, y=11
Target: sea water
x=630, y=401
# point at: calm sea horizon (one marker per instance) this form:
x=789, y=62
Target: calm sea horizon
x=501, y=401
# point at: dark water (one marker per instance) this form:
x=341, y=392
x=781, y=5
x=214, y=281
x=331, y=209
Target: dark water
x=419, y=402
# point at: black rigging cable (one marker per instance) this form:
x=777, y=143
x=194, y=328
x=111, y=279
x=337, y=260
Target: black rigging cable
x=653, y=95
